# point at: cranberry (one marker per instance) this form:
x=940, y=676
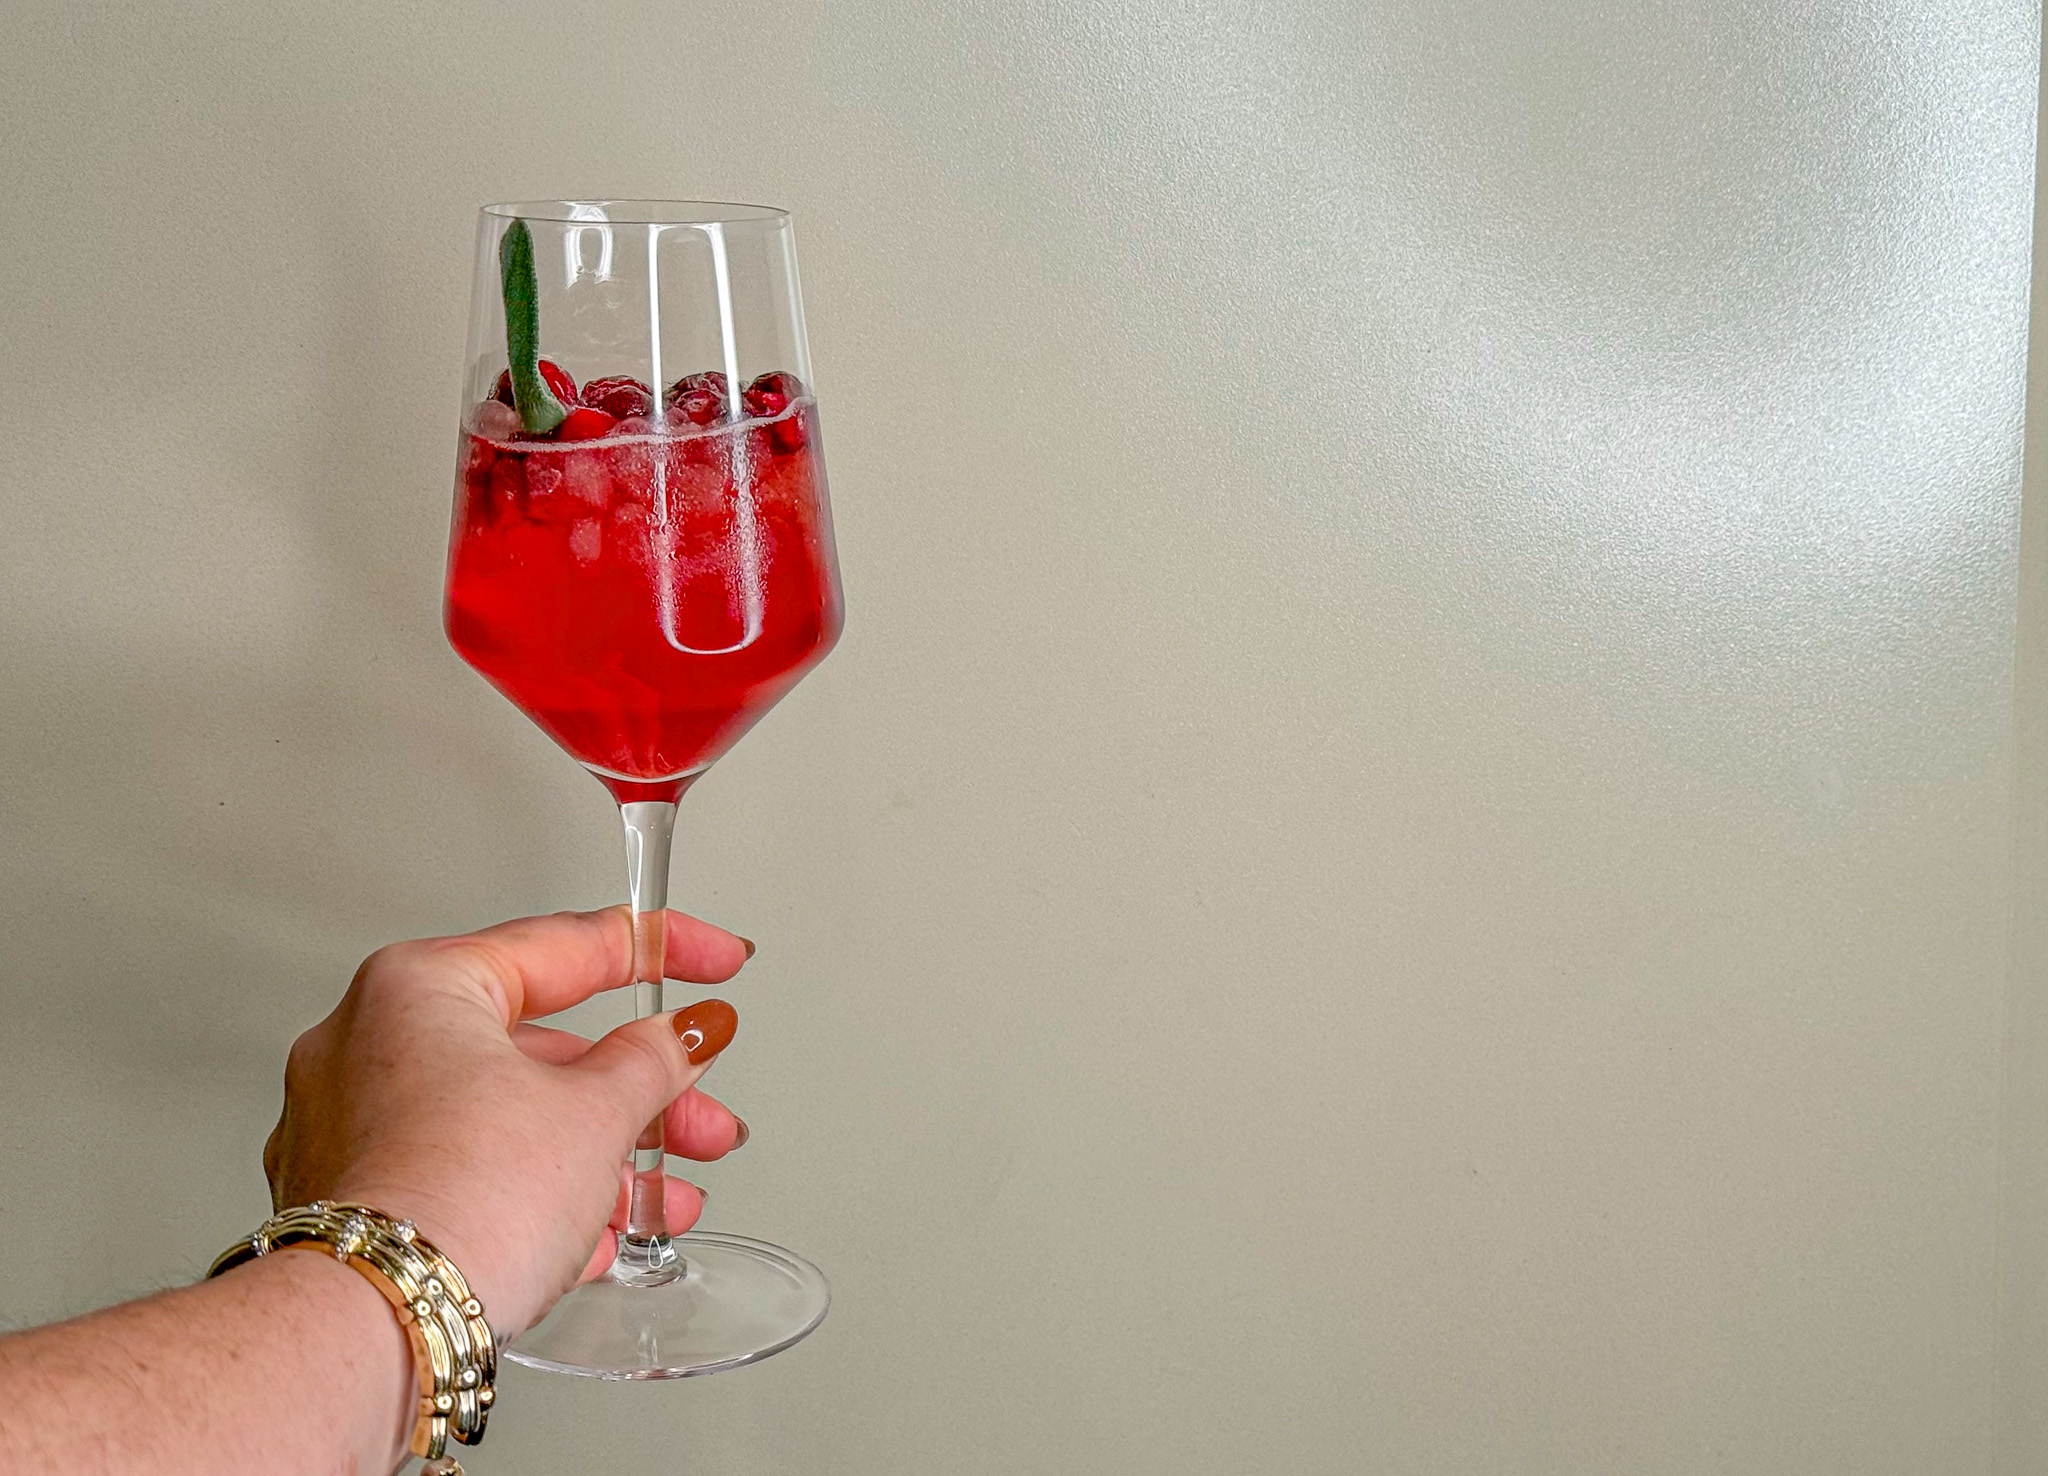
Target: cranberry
x=585, y=424
x=558, y=381
x=618, y=396
x=768, y=396
x=702, y=398
x=791, y=433
x=700, y=407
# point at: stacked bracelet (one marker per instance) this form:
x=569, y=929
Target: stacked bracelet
x=454, y=1354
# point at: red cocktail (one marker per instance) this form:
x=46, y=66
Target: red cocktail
x=647, y=594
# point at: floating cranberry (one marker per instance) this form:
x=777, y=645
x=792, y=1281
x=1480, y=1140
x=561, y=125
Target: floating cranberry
x=702, y=398
x=791, y=433
x=558, y=381
x=768, y=396
x=618, y=396
x=699, y=408
x=585, y=424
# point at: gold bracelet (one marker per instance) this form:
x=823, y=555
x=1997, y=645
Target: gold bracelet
x=453, y=1351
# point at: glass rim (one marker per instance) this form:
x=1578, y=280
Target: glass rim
x=635, y=212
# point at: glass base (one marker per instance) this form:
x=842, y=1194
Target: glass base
x=738, y=1301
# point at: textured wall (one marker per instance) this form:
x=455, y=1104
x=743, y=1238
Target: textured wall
x=1408, y=862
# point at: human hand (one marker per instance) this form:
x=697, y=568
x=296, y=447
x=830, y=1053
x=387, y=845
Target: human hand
x=427, y=1095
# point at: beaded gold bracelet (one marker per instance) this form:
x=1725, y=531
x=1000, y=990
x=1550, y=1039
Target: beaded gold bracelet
x=454, y=1354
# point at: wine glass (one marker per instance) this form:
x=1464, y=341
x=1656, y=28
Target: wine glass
x=642, y=562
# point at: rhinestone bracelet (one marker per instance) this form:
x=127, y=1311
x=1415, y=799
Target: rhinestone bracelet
x=453, y=1352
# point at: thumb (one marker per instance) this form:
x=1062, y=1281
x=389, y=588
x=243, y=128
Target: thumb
x=643, y=1066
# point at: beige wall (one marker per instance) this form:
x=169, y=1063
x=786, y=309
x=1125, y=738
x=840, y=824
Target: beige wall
x=1410, y=862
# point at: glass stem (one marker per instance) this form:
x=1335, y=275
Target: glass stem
x=647, y=1256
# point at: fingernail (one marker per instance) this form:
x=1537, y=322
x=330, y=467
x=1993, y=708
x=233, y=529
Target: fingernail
x=706, y=1028
x=739, y=1139
x=703, y=1195
x=749, y=942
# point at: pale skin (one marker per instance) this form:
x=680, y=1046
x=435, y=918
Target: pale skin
x=430, y=1095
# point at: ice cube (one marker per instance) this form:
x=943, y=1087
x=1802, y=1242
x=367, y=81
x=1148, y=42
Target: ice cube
x=587, y=477
x=586, y=539
x=543, y=480
x=494, y=422
x=632, y=464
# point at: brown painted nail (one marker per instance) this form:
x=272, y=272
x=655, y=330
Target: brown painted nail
x=739, y=1138
x=749, y=943
x=706, y=1028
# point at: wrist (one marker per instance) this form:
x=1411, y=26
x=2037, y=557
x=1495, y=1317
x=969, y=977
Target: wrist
x=441, y=1221
x=359, y=1344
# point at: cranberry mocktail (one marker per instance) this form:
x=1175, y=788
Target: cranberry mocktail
x=644, y=584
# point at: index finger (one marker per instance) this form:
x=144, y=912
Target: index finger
x=545, y=964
